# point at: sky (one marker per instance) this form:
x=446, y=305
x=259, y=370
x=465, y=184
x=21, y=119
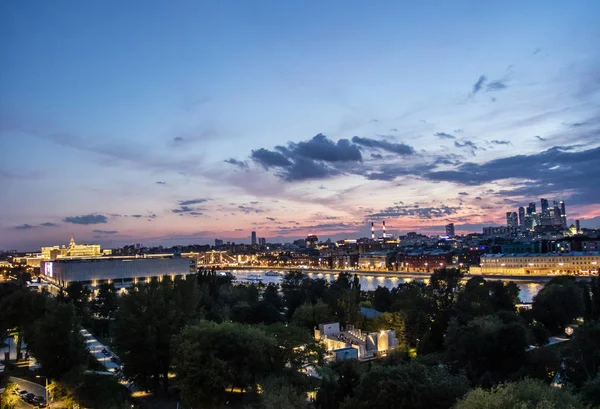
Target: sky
x=161, y=122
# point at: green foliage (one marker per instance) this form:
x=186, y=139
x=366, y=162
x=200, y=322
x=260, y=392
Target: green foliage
x=55, y=340
x=210, y=358
x=105, y=304
x=310, y=316
x=148, y=317
x=9, y=399
x=411, y=386
x=487, y=348
x=558, y=304
x=339, y=381
x=101, y=392
x=590, y=392
x=281, y=395
x=582, y=355
x=526, y=394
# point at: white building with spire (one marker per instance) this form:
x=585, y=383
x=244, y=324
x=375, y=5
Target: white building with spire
x=73, y=250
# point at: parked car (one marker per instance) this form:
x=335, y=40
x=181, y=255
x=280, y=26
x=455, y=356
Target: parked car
x=106, y=352
x=39, y=402
x=23, y=393
x=29, y=398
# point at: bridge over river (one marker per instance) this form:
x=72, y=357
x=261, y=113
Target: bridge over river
x=370, y=280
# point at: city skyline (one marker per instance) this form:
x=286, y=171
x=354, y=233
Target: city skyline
x=141, y=122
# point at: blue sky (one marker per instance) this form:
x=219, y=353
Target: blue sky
x=125, y=110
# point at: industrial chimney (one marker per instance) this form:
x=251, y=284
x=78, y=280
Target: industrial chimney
x=384, y=229
x=372, y=231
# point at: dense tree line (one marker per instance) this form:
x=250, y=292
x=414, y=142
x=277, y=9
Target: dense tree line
x=461, y=342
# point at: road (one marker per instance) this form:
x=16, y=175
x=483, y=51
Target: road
x=32, y=387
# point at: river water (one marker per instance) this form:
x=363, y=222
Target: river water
x=528, y=290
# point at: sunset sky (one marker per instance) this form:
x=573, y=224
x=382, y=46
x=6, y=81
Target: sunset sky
x=180, y=122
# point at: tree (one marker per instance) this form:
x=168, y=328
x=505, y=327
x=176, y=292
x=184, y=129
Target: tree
x=282, y=396
x=339, y=381
x=9, y=397
x=382, y=299
x=210, y=358
x=590, y=391
x=411, y=386
x=79, y=295
x=148, y=317
x=56, y=342
x=105, y=304
x=582, y=355
x=271, y=295
x=487, y=349
x=528, y=393
x=444, y=287
x=310, y=316
x=558, y=304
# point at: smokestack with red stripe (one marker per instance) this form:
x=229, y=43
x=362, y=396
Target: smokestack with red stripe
x=372, y=231
x=384, y=229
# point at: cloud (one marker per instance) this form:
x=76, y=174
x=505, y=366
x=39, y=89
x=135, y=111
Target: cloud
x=400, y=210
x=178, y=139
x=183, y=209
x=463, y=193
x=478, y=198
x=497, y=142
x=479, y=84
x=161, y=183
x=556, y=170
x=398, y=148
x=496, y=85
x=105, y=231
x=469, y=145
x=86, y=219
x=250, y=209
x=444, y=135
x=539, y=137
x=24, y=227
x=376, y=156
x=269, y=159
x=271, y=219
x=239, y=163
x=324, y=149
x=49, y=224
x=192, y=202
x=316, y=158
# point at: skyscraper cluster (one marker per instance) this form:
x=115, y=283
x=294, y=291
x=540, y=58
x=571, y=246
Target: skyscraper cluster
x=528, y=218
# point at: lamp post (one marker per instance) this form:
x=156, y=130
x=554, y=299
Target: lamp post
x=46, y=389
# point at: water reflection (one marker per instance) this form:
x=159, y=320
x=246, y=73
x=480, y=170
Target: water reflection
x=528, y=290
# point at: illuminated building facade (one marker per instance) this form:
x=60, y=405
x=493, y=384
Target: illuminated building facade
x=575, y=263
x=74, y=250
x=122, y=271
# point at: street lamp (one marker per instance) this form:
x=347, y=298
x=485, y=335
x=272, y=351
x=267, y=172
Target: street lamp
x=46, y=389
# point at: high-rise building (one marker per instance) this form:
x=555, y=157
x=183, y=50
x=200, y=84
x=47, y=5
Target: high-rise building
x=545, y=219
x=521, y=217
x=577, y=226
x=450, y=230
x=556, y=214
x=262, y=241
x=563, y=214
x=512, y=220
x=218, y=242
x=531, y=208
x=253, y=240
x=311, y=241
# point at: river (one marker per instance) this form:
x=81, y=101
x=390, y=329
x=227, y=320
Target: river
x=528, y=290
